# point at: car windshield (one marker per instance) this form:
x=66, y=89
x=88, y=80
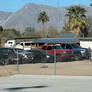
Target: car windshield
x=19, y=50
x=76, y=46
x=57, y=47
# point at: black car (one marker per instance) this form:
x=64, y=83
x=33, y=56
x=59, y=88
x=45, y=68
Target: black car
x=10, y=55
x=39, y=56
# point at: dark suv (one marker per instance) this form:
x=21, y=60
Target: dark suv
x=79, y=52
x=9, y=55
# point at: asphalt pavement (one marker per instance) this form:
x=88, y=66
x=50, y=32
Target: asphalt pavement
x=45, y=83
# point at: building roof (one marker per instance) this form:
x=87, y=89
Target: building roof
x=85, y=39
x=56, y=40
x=65, y=35
x=22, y=39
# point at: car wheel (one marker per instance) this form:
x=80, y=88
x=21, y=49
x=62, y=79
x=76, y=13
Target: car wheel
x=2, y=63
x=31, y=59
x=77, y=57
x=5, y=62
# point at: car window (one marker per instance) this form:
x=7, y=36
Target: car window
x=68, y=46
x=49, y=48
x=19, y=50
x=57, y=47
x=2, y=50
x=44, y=48
x=10, y=51
x=10, y=42
x=75, y=46
x=63, y=46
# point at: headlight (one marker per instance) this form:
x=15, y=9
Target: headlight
x=47, y=56
x=82, y=51
x=25, y=56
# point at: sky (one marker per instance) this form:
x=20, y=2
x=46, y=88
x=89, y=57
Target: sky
x=14, y=5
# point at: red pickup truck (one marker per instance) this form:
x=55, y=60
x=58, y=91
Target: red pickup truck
x=63, y=54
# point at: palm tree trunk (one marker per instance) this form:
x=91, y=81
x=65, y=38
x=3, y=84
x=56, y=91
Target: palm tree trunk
x=43, y=30
x=76, y=32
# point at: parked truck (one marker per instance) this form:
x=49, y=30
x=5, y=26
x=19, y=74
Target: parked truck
x=64, y=54
x=10, y=43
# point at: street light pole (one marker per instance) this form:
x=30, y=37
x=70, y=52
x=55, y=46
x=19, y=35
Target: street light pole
x=54, y=61
x=58, y=31
x=58, y=15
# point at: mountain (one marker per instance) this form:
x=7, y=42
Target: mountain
x=4, y=16
x=28, y=14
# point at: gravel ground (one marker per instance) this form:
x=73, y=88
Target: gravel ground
x=76, y=68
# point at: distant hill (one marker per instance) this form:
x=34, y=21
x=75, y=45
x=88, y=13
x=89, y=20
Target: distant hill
x=4, y=16
x=28, y=14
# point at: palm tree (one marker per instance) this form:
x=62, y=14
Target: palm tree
x=43, y=17
x=91, y=3
x=77, y=20
x=1, y=30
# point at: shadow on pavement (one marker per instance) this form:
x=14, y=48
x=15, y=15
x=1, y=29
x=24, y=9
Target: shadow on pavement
x=20, y=88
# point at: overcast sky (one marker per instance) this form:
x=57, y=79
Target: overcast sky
x=14, y=5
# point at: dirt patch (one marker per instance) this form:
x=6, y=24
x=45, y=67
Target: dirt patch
x=76, y=68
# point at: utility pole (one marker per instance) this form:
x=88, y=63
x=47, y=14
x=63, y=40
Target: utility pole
x=58, y=16
x=58, y=22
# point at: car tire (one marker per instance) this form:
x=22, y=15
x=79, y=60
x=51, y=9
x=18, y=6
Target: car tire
x=77, y=57
x=31, y=59
x=2, y=63
x=5, y=62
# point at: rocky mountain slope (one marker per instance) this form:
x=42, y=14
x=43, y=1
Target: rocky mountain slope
x=28, y=14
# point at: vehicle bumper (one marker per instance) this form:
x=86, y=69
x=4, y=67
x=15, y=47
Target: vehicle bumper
x=66, y=57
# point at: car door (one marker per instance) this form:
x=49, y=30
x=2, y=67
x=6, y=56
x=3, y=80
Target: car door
x=3, y=56
x=50, y=49
x=12, y=56
x=68, y=46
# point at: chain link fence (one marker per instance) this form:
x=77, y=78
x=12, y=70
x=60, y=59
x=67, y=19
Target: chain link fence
x=40, y=63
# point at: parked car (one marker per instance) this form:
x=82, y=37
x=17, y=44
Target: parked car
x=38, y=56
x=64, y=54
x=10, y=43
x=79, y=52
x=10, y=55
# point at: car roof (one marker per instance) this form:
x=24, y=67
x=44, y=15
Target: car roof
x=38, y=50
x=9, y=48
